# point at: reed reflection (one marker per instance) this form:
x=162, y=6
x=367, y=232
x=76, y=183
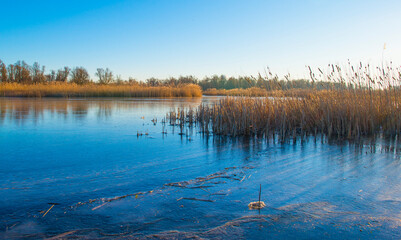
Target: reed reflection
x=19, y=111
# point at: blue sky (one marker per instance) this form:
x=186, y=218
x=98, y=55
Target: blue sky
x=165, y=38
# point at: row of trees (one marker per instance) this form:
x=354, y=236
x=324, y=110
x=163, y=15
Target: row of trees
x=21, y=72
x=265, y=82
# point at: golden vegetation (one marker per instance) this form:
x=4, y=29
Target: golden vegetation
x=253, y=91
x=61, y=89
x=342, y=114
x=256, y=92
x=366, y=105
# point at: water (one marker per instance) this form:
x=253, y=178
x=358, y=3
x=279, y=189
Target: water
x=108, y=182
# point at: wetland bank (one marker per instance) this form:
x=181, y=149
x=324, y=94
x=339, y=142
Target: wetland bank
x=86, y=156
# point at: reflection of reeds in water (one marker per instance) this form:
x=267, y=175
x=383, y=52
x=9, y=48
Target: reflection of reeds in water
x=20, y=110
x=96, y=90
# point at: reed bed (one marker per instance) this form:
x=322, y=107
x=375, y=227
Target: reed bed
x=349, y=114
x=256, y=92
x=361, y=101
x=97, y=90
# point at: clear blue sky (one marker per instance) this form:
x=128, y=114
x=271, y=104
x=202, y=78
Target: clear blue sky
x=164, y=38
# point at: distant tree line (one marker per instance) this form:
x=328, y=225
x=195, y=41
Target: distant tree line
x=21, y=72
x=222, y=82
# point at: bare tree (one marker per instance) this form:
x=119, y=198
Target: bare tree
x=105, y=76
x=119, y=80
x=11, y=73
x=3, y=72
x=152, y=82
x=51, y=77
x=133, y=81
x=62, y=74
x=38, y=73
x=22, y=73
x=79, y=75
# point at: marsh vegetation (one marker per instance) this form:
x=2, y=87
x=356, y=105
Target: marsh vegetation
x=97, y=90
x=360, y=103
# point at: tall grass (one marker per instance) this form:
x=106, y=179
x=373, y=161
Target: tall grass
x=366, y=105
x=256, y=92
x=341, y=114
x=253, y=91
x=97, y=90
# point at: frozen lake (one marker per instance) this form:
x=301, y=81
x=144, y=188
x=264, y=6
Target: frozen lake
x=108, y=182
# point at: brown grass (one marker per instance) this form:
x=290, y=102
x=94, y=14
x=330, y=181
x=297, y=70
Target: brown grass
x=96, y=90
x=335, y=113
x=256, y=92
x=363, y=101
